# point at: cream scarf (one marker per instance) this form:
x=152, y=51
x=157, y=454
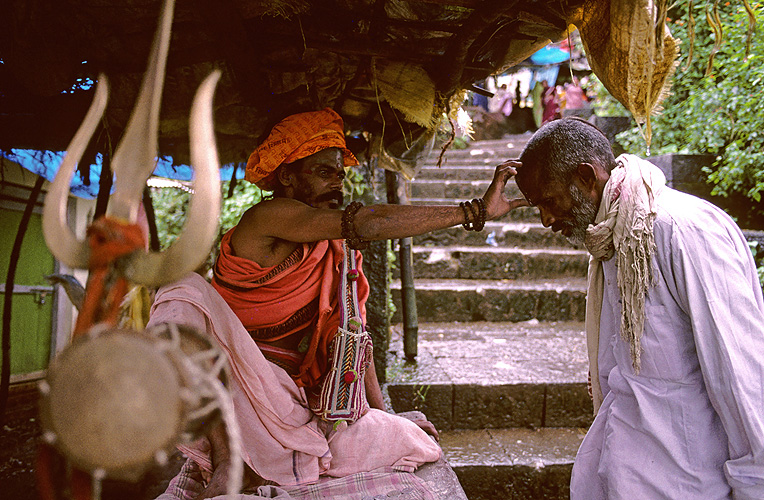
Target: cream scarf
x=624, y=228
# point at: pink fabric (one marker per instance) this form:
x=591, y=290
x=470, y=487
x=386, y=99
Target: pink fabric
x=283, y=441
x=381, y=483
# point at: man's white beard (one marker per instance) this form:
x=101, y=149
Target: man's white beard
x=584, y=212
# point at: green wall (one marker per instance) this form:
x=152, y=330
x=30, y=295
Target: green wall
x=30, y=322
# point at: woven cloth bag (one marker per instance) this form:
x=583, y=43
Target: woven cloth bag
x=342, y=394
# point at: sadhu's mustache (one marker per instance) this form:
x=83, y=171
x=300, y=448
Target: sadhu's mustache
x=335, y=195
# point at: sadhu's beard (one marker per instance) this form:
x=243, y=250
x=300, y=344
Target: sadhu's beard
x=583, y=213
x=335, y=196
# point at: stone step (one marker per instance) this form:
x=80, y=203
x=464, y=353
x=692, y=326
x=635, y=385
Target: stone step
x=515, y=233
x=509, y=147
x=460, y=172
x=513, y=464
x=485, y=375
x=450, y=189
x=457, y=190
x=489, y=262
x=518, y=140
x=482, y=161
x=558, y=299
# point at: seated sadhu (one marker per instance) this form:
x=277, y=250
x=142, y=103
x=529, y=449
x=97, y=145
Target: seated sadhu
x=279, y=272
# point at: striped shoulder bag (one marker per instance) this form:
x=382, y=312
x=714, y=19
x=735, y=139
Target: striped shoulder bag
x=343, y=394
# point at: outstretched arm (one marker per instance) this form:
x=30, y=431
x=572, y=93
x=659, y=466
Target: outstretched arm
x=400, y=221
x=291, y=220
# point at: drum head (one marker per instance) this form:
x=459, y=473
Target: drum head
x=113, y=403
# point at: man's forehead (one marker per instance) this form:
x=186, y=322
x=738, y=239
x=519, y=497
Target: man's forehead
x=536, y=188
x=326, y=157
x=325, y=154
x=528, y=182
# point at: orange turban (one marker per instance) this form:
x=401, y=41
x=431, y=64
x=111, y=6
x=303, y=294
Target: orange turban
x=296, y=137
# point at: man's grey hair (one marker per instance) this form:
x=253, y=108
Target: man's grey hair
x=558, y=147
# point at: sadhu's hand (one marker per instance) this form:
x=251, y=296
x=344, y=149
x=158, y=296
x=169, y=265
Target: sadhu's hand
x=428, y=427
x=496, y=202
x=218, y=484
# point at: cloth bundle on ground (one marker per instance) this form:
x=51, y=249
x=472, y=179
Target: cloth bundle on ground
x=382, y=483
x=283, y=441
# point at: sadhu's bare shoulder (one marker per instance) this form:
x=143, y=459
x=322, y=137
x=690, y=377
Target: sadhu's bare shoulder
x=255, y=237
x=268, y=214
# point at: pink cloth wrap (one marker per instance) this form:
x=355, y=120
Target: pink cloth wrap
x=282, y=440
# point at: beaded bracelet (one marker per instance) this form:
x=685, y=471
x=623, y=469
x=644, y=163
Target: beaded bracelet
x=348, y=229
x=479, y=223
x=466, y=208
x=478, y=213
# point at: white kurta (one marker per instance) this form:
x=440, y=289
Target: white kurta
x=690, y=426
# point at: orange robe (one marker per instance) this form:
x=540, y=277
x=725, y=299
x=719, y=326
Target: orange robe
x=300, y=292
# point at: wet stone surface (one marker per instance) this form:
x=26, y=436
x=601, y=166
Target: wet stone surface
x=513, y=463
x=493, y=375
x=560, y=299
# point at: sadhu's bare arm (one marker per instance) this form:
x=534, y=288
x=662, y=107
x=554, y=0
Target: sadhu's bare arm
x=291, y=220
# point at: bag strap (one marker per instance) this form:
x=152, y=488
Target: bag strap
x=350, y=315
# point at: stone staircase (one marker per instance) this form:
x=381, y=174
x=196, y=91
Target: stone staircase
x=501, y=364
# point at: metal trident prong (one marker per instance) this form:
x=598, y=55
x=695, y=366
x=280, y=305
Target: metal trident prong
x=135, y=156
x=61, y=241
x=134, y=161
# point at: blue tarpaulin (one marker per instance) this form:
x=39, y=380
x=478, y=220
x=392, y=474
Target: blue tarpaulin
x=547, y=64
x=550, y=55
x=46, y=164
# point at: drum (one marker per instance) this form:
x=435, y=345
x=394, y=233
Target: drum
x=115, y=402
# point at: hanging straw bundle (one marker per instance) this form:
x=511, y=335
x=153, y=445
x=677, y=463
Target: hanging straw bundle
x=632, y=52
x=408, y=88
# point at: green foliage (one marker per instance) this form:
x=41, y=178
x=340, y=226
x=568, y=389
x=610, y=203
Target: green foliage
x=460, y=143
x=171, y=205
x=355, y=185
x=244, y=195
x=720, y=113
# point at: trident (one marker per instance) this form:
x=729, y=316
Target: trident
x=99, y=404
x=133, y=163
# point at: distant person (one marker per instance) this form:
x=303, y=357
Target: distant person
x=479, y=100
x=501, y=102
x=518, y=96
x=550, y=102
x=575, y=102
x=537, y=94
x=674, y=324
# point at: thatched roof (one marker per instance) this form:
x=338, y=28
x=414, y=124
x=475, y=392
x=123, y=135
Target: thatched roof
x=277, y=57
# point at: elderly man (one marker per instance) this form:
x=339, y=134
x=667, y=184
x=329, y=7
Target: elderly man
x=275, y=308
x=674, y=322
